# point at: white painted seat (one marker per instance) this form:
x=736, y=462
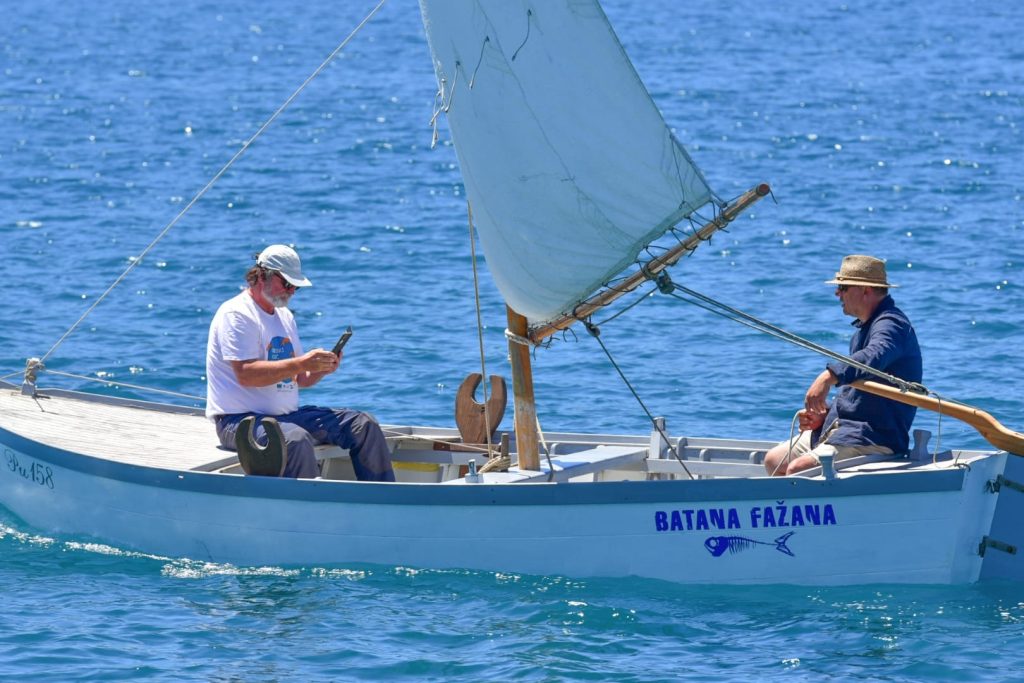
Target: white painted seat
x=569, y=466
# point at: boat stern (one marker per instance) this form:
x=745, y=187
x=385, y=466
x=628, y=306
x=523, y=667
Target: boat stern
x=1002, y=549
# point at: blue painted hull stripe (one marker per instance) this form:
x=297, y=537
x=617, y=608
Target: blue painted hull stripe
x=603, y=493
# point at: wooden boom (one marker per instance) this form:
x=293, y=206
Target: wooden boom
x=654, y=266
x=989, y=427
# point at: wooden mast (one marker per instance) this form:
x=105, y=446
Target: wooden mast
x=522, y=391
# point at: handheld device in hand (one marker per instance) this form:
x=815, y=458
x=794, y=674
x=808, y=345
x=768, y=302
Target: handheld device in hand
x=342, y=340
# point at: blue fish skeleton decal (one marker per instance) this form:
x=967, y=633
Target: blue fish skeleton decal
x=717, y=545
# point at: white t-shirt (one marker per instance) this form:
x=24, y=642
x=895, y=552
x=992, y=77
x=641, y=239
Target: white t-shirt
x=241, y=330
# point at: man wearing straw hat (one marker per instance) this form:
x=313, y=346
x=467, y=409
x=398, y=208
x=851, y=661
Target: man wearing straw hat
x=857, y=423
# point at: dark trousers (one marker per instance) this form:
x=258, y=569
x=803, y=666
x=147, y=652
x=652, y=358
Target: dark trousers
x=310, y=426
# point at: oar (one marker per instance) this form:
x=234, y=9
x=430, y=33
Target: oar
x=989, y=427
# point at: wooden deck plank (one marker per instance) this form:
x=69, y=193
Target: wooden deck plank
x=144, y=436
x=120, y=433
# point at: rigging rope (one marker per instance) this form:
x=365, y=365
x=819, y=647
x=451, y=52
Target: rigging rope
x=480, y=337
x=736, y=315
x=626, y=308
x=718, y=308
x=596, y=334
x=665, y=284
x=216, y=176
x=125, y=384
x=429, y=439
x=547, y=451
x=479, y=325
x=789, y=448
x=517, y=338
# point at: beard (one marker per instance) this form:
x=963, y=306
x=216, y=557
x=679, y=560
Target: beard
x=279, y=301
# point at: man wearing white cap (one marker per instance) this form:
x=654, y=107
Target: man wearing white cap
x=255, y=366
x=857, y=423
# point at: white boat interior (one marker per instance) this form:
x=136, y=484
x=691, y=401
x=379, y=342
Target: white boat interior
x=181, y=438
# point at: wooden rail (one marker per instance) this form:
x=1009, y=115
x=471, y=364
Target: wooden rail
x=989, y=427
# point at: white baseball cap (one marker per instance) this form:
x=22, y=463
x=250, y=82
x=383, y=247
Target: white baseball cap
x=284, y=260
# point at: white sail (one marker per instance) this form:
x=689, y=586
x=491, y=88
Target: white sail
x=568, y=165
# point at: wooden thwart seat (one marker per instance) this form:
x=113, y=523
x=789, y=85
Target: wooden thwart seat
x=570, y=465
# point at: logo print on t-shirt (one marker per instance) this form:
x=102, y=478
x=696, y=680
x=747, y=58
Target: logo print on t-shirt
x=278, y=349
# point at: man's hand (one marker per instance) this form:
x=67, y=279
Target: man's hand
x=816, y=399
x=809, y=421
x=316, y=365
x=319, y=362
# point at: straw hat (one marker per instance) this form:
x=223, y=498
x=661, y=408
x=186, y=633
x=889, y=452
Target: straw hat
x=865, y=271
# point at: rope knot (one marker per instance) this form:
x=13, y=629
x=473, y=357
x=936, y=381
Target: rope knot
x=33, y=366
x=517, y=338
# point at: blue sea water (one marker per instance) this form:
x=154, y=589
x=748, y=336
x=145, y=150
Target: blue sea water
x=884, y=128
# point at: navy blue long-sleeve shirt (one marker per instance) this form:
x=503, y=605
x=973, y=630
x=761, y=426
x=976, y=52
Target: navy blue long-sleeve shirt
x=887, y=341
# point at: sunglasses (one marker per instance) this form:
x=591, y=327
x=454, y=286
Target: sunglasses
x=284, y=283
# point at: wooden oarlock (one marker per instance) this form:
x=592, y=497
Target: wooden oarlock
x=989, y=427
x=477, y=421
x=527, y=441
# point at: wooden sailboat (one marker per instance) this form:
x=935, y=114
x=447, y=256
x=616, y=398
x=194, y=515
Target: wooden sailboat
x=571, y=173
